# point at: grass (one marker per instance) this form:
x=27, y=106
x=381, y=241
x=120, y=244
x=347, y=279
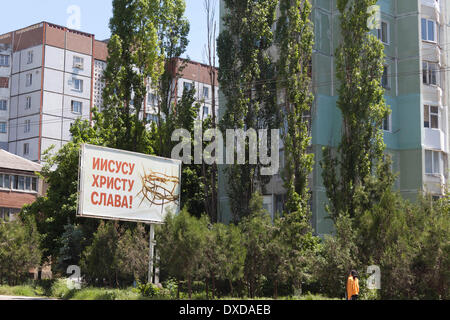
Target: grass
x=58, y=289
x=24, y=291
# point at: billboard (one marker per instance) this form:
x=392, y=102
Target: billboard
x=122, y=185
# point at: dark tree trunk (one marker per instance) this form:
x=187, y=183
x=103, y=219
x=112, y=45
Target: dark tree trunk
x=189, y=287
x=231, y=287
x=213, y=287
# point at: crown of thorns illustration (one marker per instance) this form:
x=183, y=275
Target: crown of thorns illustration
x=158, y=188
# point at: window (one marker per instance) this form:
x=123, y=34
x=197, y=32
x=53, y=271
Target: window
x=428, y=30
x=4, y=181
x=26, y=149
x=152, y=99
x=187, y=86
x=76, y=107
x=28, y=103
x=30, y=57
x=2, y=127
x=431, y=117
x=205, y=112
x=78, y=85
x=383, y=33
x=23, y=183
x=432, y=162
x=385, y=77
x=205, y=92
x=34, y=186
x=387, y=123
x=152, y=117
x=429, y=74
x=27, y=126
x=3, y=105
x=29, y=80
x=27, y=183
x=4, y=60
x=78, y=62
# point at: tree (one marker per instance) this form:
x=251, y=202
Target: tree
x=234, y=255
x=294, y=38
x=57, y=208
x=431, y=264
x=180, y=241
x=71, y=247
x=359, y=66
x=256, y=232
x=19, y=249
x=246, y=77
x=134, y=58
x=337, y=257
x=133, y=254
x=210, y=49
x=100, y=260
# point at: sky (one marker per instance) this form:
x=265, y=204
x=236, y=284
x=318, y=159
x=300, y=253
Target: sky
x=94, y=18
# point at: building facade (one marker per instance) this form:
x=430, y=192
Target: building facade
x=19, y=184
x=51, y=75
x=48, y=80
x=187, y=75
x=416, y=38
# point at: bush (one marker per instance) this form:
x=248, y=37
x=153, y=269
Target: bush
x=147, y=289
x=19, y=249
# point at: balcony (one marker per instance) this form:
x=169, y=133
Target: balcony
x=435, y=139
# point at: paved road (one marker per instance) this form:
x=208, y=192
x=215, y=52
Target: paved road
x=22, y=298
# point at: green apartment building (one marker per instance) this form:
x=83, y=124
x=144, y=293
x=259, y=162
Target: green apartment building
x=417, y=42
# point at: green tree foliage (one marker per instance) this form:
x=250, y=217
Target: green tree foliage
x=19, y=249
x=359, y=66
x=100, y=263
x=194, y=192
x=337, y=257
x=295, y=42
x=134, y=59
x=431, y=265
x=133, y=254
x=256, y=230
x=71, y=247
x=117, y=256
x=245, y=74
x=180, y=242
x=57, y=208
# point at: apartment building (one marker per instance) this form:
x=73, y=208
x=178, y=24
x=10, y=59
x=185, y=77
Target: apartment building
x=416, y=38
x=48, y=79
x=51, y=75
x=187, y=75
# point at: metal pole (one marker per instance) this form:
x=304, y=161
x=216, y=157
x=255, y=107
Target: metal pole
x=157, y=268
x=152, y=249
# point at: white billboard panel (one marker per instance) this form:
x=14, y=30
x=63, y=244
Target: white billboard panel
x=122, y=185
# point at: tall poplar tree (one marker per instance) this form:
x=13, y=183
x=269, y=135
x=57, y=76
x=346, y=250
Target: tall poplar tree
x=134, y=59
x=246, y=76
x=295, y=40
x=360, y=155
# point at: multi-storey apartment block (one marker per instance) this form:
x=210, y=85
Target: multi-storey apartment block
x=48, y=78
x=187, y=75
x=416, y=38
x=51, y=75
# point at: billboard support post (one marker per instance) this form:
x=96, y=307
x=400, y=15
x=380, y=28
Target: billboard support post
x=151, y=252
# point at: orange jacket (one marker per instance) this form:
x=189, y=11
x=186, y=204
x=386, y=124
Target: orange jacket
x=352, y=287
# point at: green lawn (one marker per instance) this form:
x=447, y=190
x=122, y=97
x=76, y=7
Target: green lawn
x=58, y=289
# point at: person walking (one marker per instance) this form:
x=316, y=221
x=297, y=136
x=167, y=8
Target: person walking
x=353, y=286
